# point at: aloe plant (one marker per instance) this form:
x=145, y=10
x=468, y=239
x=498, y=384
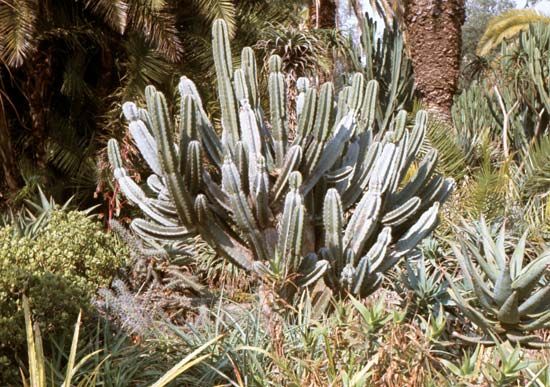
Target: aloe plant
x=327, y=197
x=507, y=299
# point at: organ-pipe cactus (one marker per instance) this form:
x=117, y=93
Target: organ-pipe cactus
x=383, y=58
x=332, y=197
x=505, y=297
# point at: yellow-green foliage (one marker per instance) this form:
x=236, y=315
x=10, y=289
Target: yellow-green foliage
x=59, y=269
x=506, y=26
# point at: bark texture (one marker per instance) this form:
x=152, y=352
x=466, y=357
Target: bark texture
x=38, y=90
x=433, y=31
x=7, y=157
x=322, y=13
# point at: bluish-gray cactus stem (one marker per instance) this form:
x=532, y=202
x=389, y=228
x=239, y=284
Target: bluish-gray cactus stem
x=277, y=103
x=333, y=224
x=249, y=68
x=219, y=238
x=223, y=62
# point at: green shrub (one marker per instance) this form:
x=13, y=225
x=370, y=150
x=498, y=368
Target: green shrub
x=60, y=268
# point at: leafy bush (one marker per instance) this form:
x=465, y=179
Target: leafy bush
x=59, y=269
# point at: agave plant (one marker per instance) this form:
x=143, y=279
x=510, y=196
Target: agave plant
x=426, y=286
x=255, y=193
x=508, y=300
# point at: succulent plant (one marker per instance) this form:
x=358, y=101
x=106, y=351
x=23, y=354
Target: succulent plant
x=383, y=57
x=506, y=299
x=523, y=93
x=427, y=289
x=325, y=198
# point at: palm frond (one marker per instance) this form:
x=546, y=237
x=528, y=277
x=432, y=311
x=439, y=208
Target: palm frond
x=156, y=4
x=113, y=12
x=487, y=192
x=144, y=66
x=200, y=63
x=506, y=26
x=17, y=29
x=69, y=160
x=158, y=27
x=451, y=158
x=74, y=85
x=219, y=9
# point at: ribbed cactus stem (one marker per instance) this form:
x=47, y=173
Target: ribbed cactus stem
x=193, y=167
x=261, y=194
x=331, y=202
x=194, y=123
x=277, y=103
x=113, y=152
x=250, y=71
x=219, y=238
x=162, y=130
x=241, y=89
x=324, y=113
x=333, y=224
x=306, y=116
x=224, y=63
x=357, y=95
x=291, y=227
x=302, y=86
x=368, y=109
x=146, y=145
x=250, y=134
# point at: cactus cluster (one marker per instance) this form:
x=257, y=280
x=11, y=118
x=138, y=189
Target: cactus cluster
x=523, y=101
x=327, y=198
x=510, y=299
x=383, y=58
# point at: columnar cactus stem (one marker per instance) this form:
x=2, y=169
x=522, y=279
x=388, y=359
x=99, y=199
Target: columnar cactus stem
x=277, y=102
x=257, y=197
x=223, y=63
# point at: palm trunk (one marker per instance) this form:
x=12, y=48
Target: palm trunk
x=322, y=13
x=37, y=88
x=433, y=30
x=7, y=158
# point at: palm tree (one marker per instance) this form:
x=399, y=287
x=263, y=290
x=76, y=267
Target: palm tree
x=65, y=66
x=7, y=158
x=478, y=15
x=433, y=36
x=506, y=26
x=322, y=13
x=57, y=63
x=435, y=42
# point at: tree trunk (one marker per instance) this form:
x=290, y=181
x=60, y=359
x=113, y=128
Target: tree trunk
x=37, y=88
x=7, y=158
x=433, y=31
x=322, y=13
x=358, y=11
